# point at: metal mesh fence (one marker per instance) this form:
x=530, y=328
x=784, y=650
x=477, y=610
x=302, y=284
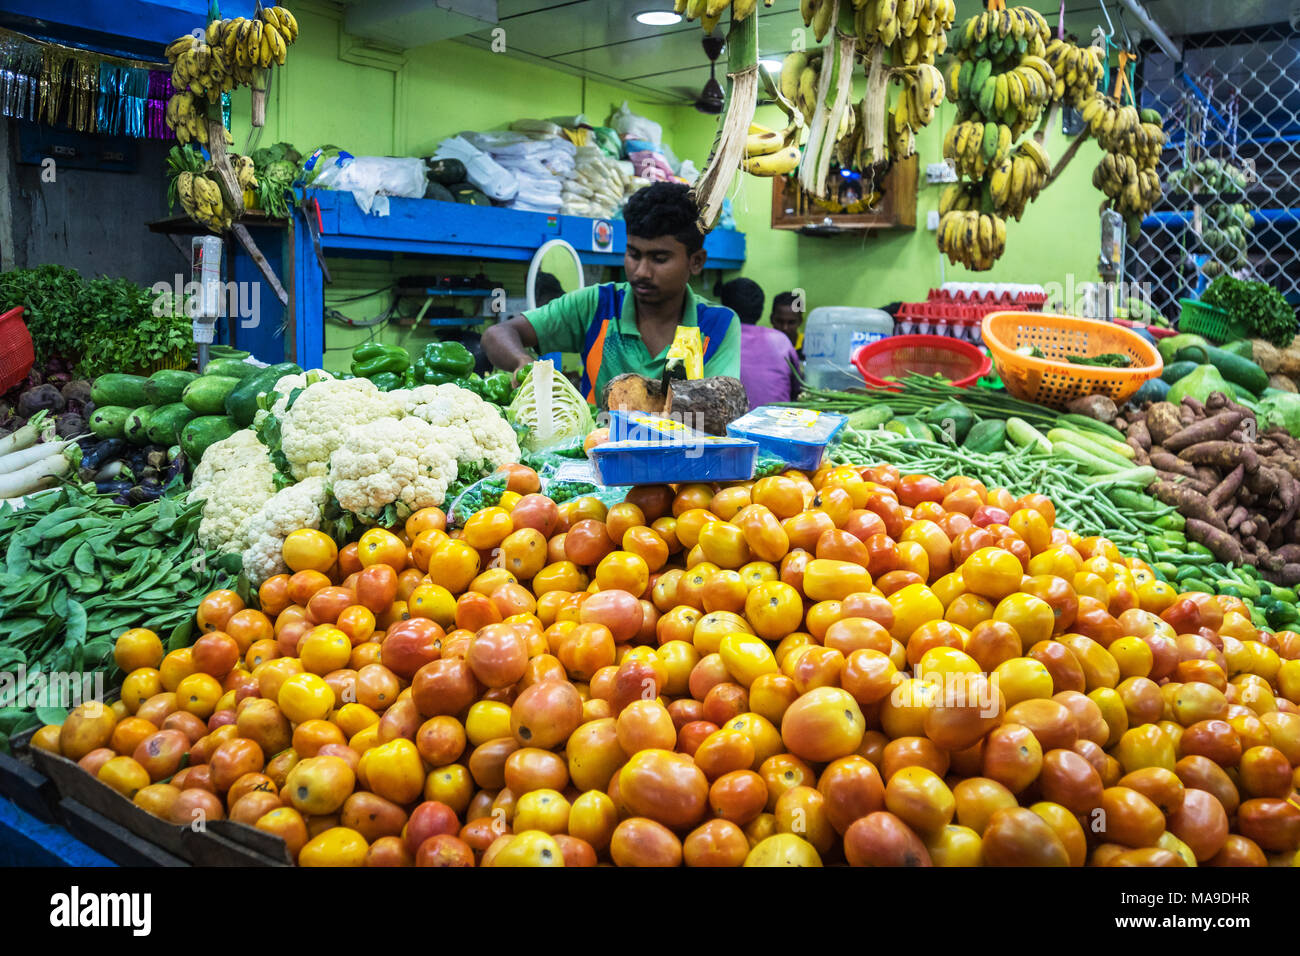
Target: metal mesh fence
x=1232, y=197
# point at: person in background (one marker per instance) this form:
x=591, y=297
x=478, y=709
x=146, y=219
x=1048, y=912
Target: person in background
x=767, y=357
x=628, y=326
x=787, y=320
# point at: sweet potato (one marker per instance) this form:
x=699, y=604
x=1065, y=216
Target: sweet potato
x=1288, y=493
x=1164, y=461
x=1224, y=545
x=1224, y=455
x=1215, y=428
x=1227, y=488
x=1098, y=407
x=1289, y=575
x=1237, y=518
x=1210, y=476
x=1200, y=487
x=1162, y=421
x=1289, y=553
x=1198, y=409
x=1138, y=436
x=1191, y=503
x=1186, y=416
x=1263, y=481
x=1216, y=401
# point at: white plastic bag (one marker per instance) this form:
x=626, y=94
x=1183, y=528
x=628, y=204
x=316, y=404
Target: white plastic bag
x=372, y=179
x=632, y=126
x=484, y=172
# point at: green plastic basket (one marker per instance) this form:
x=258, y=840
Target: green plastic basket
x=1210, y=322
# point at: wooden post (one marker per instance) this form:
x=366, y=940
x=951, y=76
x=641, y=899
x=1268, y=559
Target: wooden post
x=246, y=240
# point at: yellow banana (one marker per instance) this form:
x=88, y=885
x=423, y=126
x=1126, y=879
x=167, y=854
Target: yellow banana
x=774, y=164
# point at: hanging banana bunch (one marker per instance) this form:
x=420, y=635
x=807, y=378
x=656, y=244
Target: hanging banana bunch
x=1001, y=82
x=232, y=53
x=1079, y=71
x=1127, y=173
x=709, y=12
x=915, y=31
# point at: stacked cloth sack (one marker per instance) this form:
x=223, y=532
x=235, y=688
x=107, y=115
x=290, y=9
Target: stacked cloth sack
x=540, y=158
x=599, y=186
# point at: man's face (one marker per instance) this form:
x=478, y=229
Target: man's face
x=658, y=269
x=787, y=320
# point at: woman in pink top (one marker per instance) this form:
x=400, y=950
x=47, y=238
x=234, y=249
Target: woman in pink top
x=766, y=355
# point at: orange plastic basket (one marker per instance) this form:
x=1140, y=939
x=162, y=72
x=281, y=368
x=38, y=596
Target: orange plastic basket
x=1053, y=381
x=16, y=353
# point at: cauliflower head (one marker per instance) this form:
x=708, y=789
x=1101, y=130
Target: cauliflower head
x=403, y=462
x=323, y=413
x=465, y=422
x=284, y=386
x=235, y=478
x=298, y=506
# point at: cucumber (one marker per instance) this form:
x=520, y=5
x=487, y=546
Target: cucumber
x=1087, y=459
x=1083, y=423
x=1123, y=449
x=1242, y=347
x=108, y=422
x=869, y=419
x=201, y=433
x=241, y=404
x=987, y=437
x=137, y=423
x=915, y=428
x=117, y=388
x=166, y=422
x=1234, y=368
x=230, y=368
x=1176, y=370
x=1061, y=436
x=165, y=386
x=206, y=395
x=1170, y=345
x=1023, y=434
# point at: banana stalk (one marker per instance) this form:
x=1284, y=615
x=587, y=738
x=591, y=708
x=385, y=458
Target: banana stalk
x=729, y=146
x=832, y=100
x=874, y=107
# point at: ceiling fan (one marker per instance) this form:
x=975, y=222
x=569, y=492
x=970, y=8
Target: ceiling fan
x=711, y=98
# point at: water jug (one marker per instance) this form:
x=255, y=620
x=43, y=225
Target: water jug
x=831, y=337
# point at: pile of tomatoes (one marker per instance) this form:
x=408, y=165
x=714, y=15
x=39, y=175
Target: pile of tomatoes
x=853, y=666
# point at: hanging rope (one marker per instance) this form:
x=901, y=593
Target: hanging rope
x=997, y=4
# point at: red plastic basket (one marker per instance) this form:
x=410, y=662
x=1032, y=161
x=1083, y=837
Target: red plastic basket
x=960, y=362
x=16, y=353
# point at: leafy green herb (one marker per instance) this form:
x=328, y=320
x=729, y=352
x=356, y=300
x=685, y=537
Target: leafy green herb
x=1257, y=305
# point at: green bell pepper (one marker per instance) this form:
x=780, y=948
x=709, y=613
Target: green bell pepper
x=379, y=359
x=451, y=358
x=368, y=350
x=386, y=381
x=497, y=388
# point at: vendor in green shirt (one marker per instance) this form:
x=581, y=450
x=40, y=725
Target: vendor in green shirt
x=616, y=332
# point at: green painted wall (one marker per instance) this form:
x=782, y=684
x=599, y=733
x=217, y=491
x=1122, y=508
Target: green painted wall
x=405, y=106
x=1057, y=236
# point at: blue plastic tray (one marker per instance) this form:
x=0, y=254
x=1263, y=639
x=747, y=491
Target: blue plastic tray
x=795, y=435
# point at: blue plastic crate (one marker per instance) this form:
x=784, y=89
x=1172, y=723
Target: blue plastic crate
x=798, y=436
x=657, y=463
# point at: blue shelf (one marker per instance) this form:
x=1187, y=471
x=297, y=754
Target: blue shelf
x=431, y=228
x=456, y=293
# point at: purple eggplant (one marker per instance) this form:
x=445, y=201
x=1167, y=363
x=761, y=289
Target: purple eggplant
x=112, y=487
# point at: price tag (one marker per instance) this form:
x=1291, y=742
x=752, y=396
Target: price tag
x=1248, y=167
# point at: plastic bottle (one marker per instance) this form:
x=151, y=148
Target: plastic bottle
x=831, y=337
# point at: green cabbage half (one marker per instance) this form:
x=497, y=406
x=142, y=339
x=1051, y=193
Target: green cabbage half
x=553, y=411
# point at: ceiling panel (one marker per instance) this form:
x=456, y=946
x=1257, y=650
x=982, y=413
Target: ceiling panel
x=600, y=38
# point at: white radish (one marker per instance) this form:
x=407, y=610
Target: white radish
x=24, y=437
x=21, y=459
x=36, y=476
